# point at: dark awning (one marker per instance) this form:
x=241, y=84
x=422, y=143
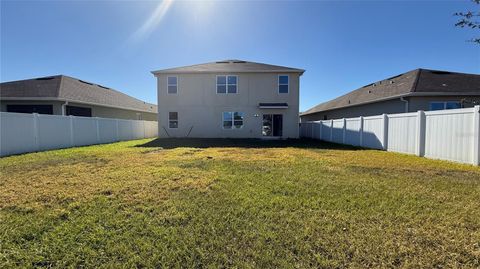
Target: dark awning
x=273, y=105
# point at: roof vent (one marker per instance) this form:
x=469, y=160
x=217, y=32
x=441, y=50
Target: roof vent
x=349, y=101
x=394, y=77
x=103, y=87
x=222, y=62
x=369, y=91
x=85, y=82
x=47, y=78
x=444, y=85
x=239, y=62
x=391, y=81
x=440, y=72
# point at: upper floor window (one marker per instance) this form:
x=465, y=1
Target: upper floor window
x=445, y=105
x=172, y=119
x=283, y=84
x=227, y=84
x=172, y=85
x=232, y=120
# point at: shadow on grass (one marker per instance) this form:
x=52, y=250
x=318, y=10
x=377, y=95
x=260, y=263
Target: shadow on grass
x=171, y=143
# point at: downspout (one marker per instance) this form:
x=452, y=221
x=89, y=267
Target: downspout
x=406, y=103
x=64, y=110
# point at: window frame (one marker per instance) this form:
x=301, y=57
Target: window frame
x=176, y=85
x=226, y=84
x=444, y=105
x=233, y=120
x=278, y=84
x=171, y=120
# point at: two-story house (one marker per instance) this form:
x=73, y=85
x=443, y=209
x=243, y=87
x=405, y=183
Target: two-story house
x=229, y=99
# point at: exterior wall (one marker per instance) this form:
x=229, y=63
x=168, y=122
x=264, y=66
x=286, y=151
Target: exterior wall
x=387, y=107
x=200, y=108
x=423, y=103
x=97, y=111
x=390, y=106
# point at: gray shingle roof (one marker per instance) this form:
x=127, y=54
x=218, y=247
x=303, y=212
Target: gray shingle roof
x=235, y=66
x=416, y=82
x=71, y=89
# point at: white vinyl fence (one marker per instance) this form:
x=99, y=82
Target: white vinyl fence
x=451, y=135
x=20, y=133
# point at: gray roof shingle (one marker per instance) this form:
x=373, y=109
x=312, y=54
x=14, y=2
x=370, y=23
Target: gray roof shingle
x=71, y=89
x=416, y=82
x=236, y=66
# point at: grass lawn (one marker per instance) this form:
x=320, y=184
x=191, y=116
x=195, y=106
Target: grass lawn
x=288, y=204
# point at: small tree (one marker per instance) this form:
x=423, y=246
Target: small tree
x=468, y=19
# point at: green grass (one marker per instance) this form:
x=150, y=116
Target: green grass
x=245, y=204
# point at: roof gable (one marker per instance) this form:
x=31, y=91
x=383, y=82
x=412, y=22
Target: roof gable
x=226, y=66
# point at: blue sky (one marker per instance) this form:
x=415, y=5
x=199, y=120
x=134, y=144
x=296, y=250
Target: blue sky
x=342, y=45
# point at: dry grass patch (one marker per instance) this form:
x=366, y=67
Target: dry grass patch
x=293, y=204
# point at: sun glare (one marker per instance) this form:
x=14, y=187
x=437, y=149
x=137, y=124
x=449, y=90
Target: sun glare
x=154, y=19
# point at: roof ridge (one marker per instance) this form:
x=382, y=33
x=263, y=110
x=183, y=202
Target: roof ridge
x=417, y=78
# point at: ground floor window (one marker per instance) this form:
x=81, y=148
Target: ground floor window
x=40, y=109
x=445, y=105
x=233, y=120
x=172, y=119
x=78, y=111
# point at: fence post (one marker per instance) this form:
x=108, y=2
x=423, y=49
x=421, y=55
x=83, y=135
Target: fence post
x=72, y=138
x=385, y=131
x=35, y=131
x=344, y=130
x=331, y=130
x=360, y=130
x=420, y=145
x=476, y=135
x=98, y=130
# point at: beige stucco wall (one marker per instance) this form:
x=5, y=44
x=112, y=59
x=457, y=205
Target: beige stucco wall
x=200, y=108
x=388, y=107
x=97, y=111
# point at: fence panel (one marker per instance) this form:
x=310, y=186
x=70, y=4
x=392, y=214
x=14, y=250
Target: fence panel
x=17, y=133
x=326, y=129
x=450, y=136
x=402, y=132
x=337, y=132
x=107, y=130
x=53, y=132
x=352, y=131
x=20, y=133
x=373, y=132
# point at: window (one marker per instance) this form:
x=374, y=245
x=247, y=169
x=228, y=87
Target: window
x=78, y=111
x=226, y=84
x=232, y=120
x=445, y=105
x=40, y=109
x=172, y=85
x=453, y=105
x=283, y=84
x=172, y=119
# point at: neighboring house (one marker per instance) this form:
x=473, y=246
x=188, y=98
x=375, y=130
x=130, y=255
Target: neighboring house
x=63, y=95
x=419, y=89
x=231, y=99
